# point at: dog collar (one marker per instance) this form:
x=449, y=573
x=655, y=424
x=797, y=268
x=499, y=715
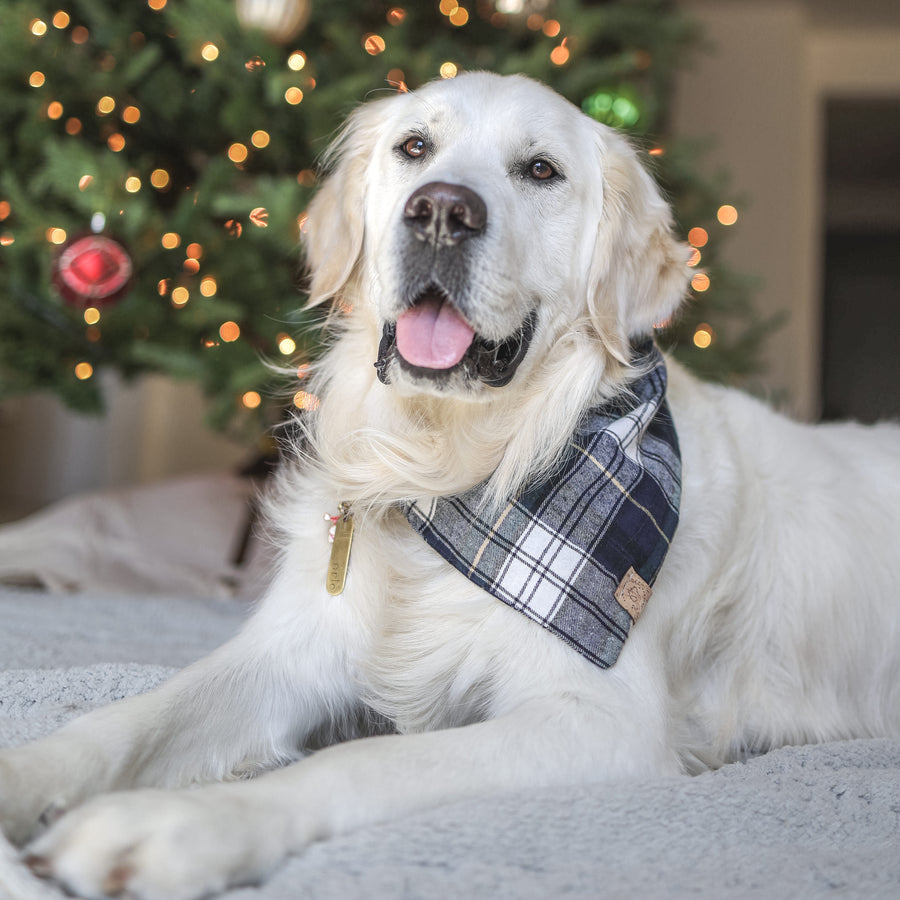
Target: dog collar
x=578, y=552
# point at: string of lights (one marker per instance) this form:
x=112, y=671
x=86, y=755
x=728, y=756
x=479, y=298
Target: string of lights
x=161, y=157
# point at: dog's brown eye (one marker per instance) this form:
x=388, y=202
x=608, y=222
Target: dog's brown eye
x=414, y=147
x=541, y=170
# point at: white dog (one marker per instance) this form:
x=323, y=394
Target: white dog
x=502, y=259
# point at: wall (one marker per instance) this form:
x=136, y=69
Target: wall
x=760, y=94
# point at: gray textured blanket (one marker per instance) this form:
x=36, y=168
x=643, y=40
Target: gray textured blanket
x=803, y=822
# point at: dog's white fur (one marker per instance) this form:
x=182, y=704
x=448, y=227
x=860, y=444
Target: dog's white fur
x=775, y=618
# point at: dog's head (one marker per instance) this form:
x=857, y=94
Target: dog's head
x=482, y=218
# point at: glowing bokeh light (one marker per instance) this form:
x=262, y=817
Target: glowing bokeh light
x=700, y=282
x=459, y=16
x=613, y=107
x=229, y=331
x=238, y=153
x=159, y=178
x=698, y=237
x=559, y=56
x=727, y=214
x=703, y=336
x=306, y=400
x=373, y=44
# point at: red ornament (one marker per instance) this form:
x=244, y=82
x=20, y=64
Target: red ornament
x=92, y=270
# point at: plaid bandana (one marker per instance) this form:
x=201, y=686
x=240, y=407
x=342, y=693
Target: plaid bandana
x=579, y=551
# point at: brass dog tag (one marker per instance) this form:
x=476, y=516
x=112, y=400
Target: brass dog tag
x=340, y=553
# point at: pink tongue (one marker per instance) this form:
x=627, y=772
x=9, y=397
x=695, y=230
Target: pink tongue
x=433, y=335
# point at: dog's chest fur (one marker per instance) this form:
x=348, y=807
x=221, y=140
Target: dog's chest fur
x=442, y=652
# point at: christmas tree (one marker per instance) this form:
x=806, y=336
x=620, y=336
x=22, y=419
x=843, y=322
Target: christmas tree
x=158, y=156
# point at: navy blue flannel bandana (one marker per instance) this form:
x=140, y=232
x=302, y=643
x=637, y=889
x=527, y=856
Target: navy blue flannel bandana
x=580, y=551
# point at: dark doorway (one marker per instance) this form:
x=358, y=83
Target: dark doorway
x=861, y=327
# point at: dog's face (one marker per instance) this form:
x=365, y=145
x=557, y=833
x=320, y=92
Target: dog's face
x=484, y=217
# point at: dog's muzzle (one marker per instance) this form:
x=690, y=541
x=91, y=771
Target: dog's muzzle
x=492, y=362
x=433, y=337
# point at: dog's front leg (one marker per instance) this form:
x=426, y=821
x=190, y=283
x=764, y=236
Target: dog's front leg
x=152, y=845
x=250, y=705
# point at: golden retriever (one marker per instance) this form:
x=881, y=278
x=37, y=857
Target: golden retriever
x=497, y=257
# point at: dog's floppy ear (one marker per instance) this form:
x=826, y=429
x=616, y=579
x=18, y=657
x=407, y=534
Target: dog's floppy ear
x=335, y=227
x=639, y=272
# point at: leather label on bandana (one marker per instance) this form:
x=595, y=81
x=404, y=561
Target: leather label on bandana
x=632, y=594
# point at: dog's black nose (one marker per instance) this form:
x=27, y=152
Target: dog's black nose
x=445, y=214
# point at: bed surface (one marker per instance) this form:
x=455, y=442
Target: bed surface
x=802, y=822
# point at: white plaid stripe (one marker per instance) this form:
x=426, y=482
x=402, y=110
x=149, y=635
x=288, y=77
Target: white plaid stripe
x=537, y=575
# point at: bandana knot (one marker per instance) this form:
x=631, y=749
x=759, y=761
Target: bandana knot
x=578, y=552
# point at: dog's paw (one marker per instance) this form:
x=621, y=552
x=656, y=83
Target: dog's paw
x=160, y=845
x=28, y=803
